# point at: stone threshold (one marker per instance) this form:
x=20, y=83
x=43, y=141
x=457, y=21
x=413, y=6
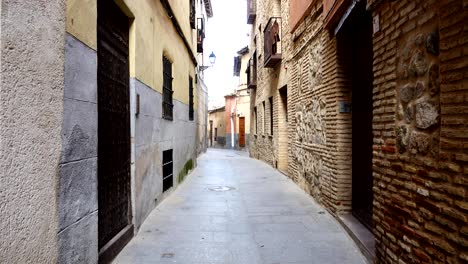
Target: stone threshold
x=360, y=234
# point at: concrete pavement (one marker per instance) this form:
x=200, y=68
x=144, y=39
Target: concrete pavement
x=237, y=210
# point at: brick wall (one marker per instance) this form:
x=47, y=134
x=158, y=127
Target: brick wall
x=420, y=131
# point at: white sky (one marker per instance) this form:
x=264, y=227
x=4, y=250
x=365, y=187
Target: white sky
x=226, y=33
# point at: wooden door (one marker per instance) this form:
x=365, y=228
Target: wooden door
x=114, y=201
x=211, y=133
x=242, y=132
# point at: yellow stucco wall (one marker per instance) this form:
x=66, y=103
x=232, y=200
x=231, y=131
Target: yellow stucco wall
x=152, y=34
x=219, y=122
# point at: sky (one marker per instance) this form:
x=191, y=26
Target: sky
x=226, y=33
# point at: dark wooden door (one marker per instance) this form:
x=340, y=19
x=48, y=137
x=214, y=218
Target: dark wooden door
x=211, y=133
x=113, y=122
x=359, y=30
x=241, y=131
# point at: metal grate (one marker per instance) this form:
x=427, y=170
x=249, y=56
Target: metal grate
x=270, y=100
x=167, y=105
x=192, y=14
x=114, y=212
x=167, y=167
x=190, y=98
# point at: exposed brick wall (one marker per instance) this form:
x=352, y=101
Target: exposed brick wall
x=420, y=122
x=420, y=132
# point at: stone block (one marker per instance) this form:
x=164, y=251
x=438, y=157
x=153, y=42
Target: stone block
x=419, y=64
x=150, y=99
x=78, y=243
x=427, y=114
x=77, y=191
x=407, y=93
x=79, y=130
x=80, y=71
x=419, y=143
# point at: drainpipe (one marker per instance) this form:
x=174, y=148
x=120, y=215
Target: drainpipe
x=232, y=127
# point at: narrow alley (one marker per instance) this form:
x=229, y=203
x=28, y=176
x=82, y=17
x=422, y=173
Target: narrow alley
x=235, y=209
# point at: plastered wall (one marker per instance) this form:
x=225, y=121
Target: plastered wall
x=152, y=35
x=31, y=99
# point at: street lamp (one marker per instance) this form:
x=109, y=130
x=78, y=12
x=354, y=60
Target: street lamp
x=212, y=59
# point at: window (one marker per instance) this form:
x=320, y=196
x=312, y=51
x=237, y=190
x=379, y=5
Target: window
x=216, y=134
x=167, y=167
x=192, y=14
x=255, y=118
x=190, y=98
x=264, y=118
x=167, y=105
x=270, y=100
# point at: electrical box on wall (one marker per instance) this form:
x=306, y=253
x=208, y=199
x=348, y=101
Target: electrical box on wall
x=345, y=107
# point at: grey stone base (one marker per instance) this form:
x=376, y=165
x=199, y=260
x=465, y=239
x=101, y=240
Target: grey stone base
x=153, y=135
x=78, y=242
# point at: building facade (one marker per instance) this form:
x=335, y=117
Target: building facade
x=362, y=104
x=117, y=115
x=217, y=127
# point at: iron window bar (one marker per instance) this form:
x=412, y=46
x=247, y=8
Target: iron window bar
x=167, y=104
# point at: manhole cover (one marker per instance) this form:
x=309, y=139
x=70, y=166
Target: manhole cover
x=221, y=188
x=167, y=255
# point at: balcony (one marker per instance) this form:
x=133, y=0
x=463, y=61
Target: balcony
x=252, y=72
x=251, y=11
x=272, y=42
x=200, y=34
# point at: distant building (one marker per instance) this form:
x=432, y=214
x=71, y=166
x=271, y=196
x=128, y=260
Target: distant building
x=217, y=127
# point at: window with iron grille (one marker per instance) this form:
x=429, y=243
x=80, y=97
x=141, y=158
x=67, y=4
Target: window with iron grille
x=192, y=14
x=256, y=120
x=167, y=105
x=167, y=167
x=190, y=98
x=264, y=118
x=270, y=100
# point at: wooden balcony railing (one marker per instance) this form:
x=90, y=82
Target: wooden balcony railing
x=251, y=11
x=272, y=42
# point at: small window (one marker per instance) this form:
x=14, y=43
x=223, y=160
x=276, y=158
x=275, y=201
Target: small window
x=270, y=100
x=190, y=98
x=216, y=134
x=264, y=118
x=256, y=120
x=167, y=105
x=167, y=167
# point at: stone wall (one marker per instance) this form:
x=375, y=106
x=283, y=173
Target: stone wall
x=77, y=188
x=317, y=149
x=31, y=102
x=153, y=135
x=420, y=117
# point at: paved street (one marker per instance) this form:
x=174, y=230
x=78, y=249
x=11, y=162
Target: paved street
x=237, y=210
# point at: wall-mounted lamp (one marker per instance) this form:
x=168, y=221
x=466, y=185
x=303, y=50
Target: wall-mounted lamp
x=212, y=59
